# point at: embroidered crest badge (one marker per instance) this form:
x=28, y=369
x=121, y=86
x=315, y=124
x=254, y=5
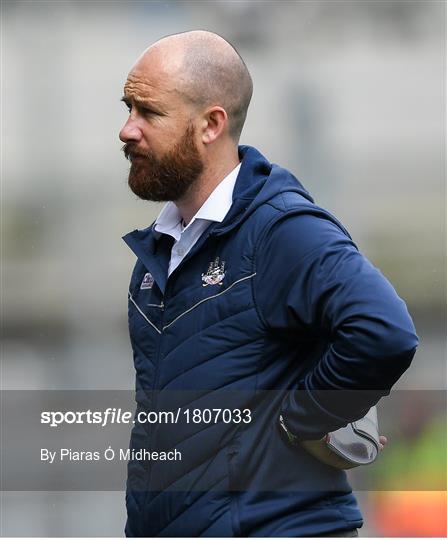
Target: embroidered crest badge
x=147, y=282
x=215, y=273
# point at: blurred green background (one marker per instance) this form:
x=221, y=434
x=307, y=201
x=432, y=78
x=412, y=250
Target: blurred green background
x=349, y=95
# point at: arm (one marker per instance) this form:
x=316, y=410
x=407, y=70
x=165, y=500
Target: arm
x=312, y=280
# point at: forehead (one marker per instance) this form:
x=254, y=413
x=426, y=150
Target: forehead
x=141, y=86
x=151, y=79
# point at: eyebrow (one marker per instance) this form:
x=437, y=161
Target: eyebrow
x=141, y=102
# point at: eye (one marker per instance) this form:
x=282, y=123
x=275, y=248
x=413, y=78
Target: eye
x=146, y=111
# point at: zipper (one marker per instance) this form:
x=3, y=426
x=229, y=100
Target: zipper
x=153, y=427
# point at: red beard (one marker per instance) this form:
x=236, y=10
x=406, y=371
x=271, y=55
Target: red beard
x=167, y=178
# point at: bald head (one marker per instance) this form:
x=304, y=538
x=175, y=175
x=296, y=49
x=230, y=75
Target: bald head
x=207, y=70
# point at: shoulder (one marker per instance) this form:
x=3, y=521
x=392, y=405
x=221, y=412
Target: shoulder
x=298, y=225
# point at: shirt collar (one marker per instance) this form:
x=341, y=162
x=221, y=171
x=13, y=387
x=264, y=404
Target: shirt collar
x=215, y=208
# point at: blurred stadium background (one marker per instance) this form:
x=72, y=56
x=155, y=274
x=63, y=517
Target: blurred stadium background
x=348, y=95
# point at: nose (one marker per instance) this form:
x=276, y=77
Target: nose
x=130, y=131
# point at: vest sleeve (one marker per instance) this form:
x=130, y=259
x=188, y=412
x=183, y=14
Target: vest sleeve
x=312, y=281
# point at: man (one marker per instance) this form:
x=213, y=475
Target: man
x=248, y=295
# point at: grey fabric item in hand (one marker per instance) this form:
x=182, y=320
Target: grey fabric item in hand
x=358, y=442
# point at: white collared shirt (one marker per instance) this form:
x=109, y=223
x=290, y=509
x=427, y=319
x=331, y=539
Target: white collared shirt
x=215, y=208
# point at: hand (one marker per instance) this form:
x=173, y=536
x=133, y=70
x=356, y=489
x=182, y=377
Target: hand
x=382, y=442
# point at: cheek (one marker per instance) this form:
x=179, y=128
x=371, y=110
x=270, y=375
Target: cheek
x=159, y=131
x=161, y=134
x=152, y=138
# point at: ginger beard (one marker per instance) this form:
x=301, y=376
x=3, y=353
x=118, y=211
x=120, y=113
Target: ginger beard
x=167, y=178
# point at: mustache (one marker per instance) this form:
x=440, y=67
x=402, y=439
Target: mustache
x=130, y=151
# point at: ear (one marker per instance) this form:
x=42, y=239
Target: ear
x=215, y=121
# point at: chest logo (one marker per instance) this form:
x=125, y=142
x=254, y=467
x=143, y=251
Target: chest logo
x=215, y=273
x=147, y=282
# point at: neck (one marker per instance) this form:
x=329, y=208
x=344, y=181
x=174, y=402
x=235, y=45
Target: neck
x=212, y=176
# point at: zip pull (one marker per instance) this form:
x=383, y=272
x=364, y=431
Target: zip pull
x=161, y=305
